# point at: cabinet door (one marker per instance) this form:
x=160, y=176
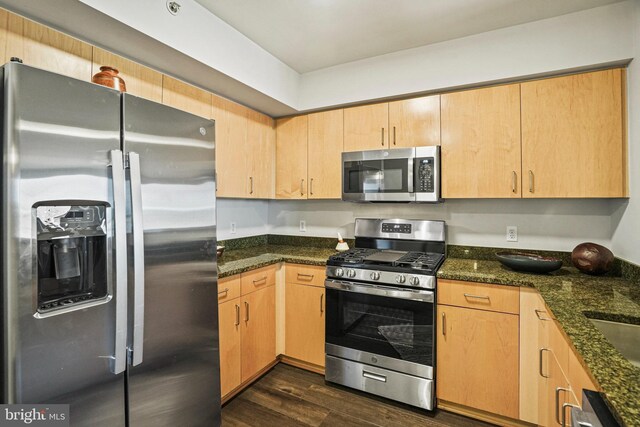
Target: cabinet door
x=261, y=153
x=572, y=136
x=258, y=325
x=45, y=48
x=414, y=122
x=183, y=96
x=326, y=131
x=481, y=143
x=304, y=323
x=230, y=350
x=475, y=349
x=140, y=80
x=366, y=127
x=291, y=158
x=232, y=167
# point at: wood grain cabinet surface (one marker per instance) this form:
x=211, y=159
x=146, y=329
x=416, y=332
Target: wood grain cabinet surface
x=305, y=323
x=477, y=359
x=573, y=140
x=258, y=325
x=260, y=152
x=324, y=154
x=366, y=127
x=291, y=157
x=481, y=143
x=229, y=332
x=414, y=122
x=186, y=97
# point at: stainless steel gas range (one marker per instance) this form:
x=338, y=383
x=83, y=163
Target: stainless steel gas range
x=381, y=310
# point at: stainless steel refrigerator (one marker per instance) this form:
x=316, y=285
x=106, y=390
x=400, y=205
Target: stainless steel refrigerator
x=108, y=254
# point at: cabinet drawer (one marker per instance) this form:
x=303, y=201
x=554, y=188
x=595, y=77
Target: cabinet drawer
x=505, y=299
x=258, y=279
x=305, y=274
x=228, y=288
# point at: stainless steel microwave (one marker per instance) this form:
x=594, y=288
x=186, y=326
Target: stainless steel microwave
x=398, y=175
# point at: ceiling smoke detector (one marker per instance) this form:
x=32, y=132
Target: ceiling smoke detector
x=173, y=7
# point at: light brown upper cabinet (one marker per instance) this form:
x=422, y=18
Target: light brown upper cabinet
x=414, y=122
x=232, y=167
x=45, y=48
x=140, y=80
x=366, y=127
x=481, y=143
x=291, y=157
x=260, y=154
x=573, y=141
x=183, y=96
x=324, y=154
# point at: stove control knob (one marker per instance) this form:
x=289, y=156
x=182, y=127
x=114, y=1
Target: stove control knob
x=414, y=281
x=400, y=278
x=374, y=275
x=339, y=272
x=351, y=273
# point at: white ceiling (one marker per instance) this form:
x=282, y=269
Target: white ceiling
x=309, y=35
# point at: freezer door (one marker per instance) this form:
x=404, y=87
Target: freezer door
x=59, y=292
x=174, y=372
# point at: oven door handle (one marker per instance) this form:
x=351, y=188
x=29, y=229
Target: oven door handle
x=383, y=291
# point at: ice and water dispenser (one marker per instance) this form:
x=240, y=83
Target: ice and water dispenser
x=71, y=255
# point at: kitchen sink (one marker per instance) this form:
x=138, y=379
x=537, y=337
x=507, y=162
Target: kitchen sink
x=624, y=337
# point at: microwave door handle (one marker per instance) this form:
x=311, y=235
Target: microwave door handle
x=410, y=175
x=118, y=361
x=138, y=259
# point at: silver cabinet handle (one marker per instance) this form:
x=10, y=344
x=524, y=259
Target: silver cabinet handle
x=302, y=187
x=250, y=185
x=119, y=359
x=246, y=309
x=382, y=136
x=321, y=303
x=260, y=281
x=514, y=182
x=564, y=413
x=310, y=276
x=311, y=186
x=558, y=390
x=542, y=350
x=237, y=315
x=531, y=181
x=538, y=314
x=394, y=135
x=373, y=376
x=138, y=258
x=476, y=296
x=225, y=291
x=444, y=329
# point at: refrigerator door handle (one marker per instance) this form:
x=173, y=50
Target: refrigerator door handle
x=138, y=259
x=119, y=362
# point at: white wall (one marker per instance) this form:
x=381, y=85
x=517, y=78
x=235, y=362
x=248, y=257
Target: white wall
x=250, y=216
x=542, y=224
x=626, y=236
x=573, y=41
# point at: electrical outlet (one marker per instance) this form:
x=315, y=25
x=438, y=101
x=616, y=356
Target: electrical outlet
x=512, y=233
x=303, y=226
x=233, y=228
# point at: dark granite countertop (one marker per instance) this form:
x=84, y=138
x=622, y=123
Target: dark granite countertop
x=571, y=296
x=241, y=260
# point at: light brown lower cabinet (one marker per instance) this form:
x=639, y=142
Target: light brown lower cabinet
x=477, y=359
x=247, y=328
x=304, y=323
x=552, y=374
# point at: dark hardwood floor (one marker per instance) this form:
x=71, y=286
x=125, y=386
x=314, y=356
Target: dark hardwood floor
x=288, y=396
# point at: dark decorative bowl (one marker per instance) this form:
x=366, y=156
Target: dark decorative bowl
x=532, y=263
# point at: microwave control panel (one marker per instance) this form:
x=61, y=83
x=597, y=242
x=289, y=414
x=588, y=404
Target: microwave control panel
x=424, y=175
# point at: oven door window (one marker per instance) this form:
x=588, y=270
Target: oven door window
x=376, y=176
x=397, y=328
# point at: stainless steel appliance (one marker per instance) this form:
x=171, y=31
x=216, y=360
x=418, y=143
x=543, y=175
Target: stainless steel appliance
x=108, y=254
x=398, y=175
x=380, y=310
x=594, y=412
